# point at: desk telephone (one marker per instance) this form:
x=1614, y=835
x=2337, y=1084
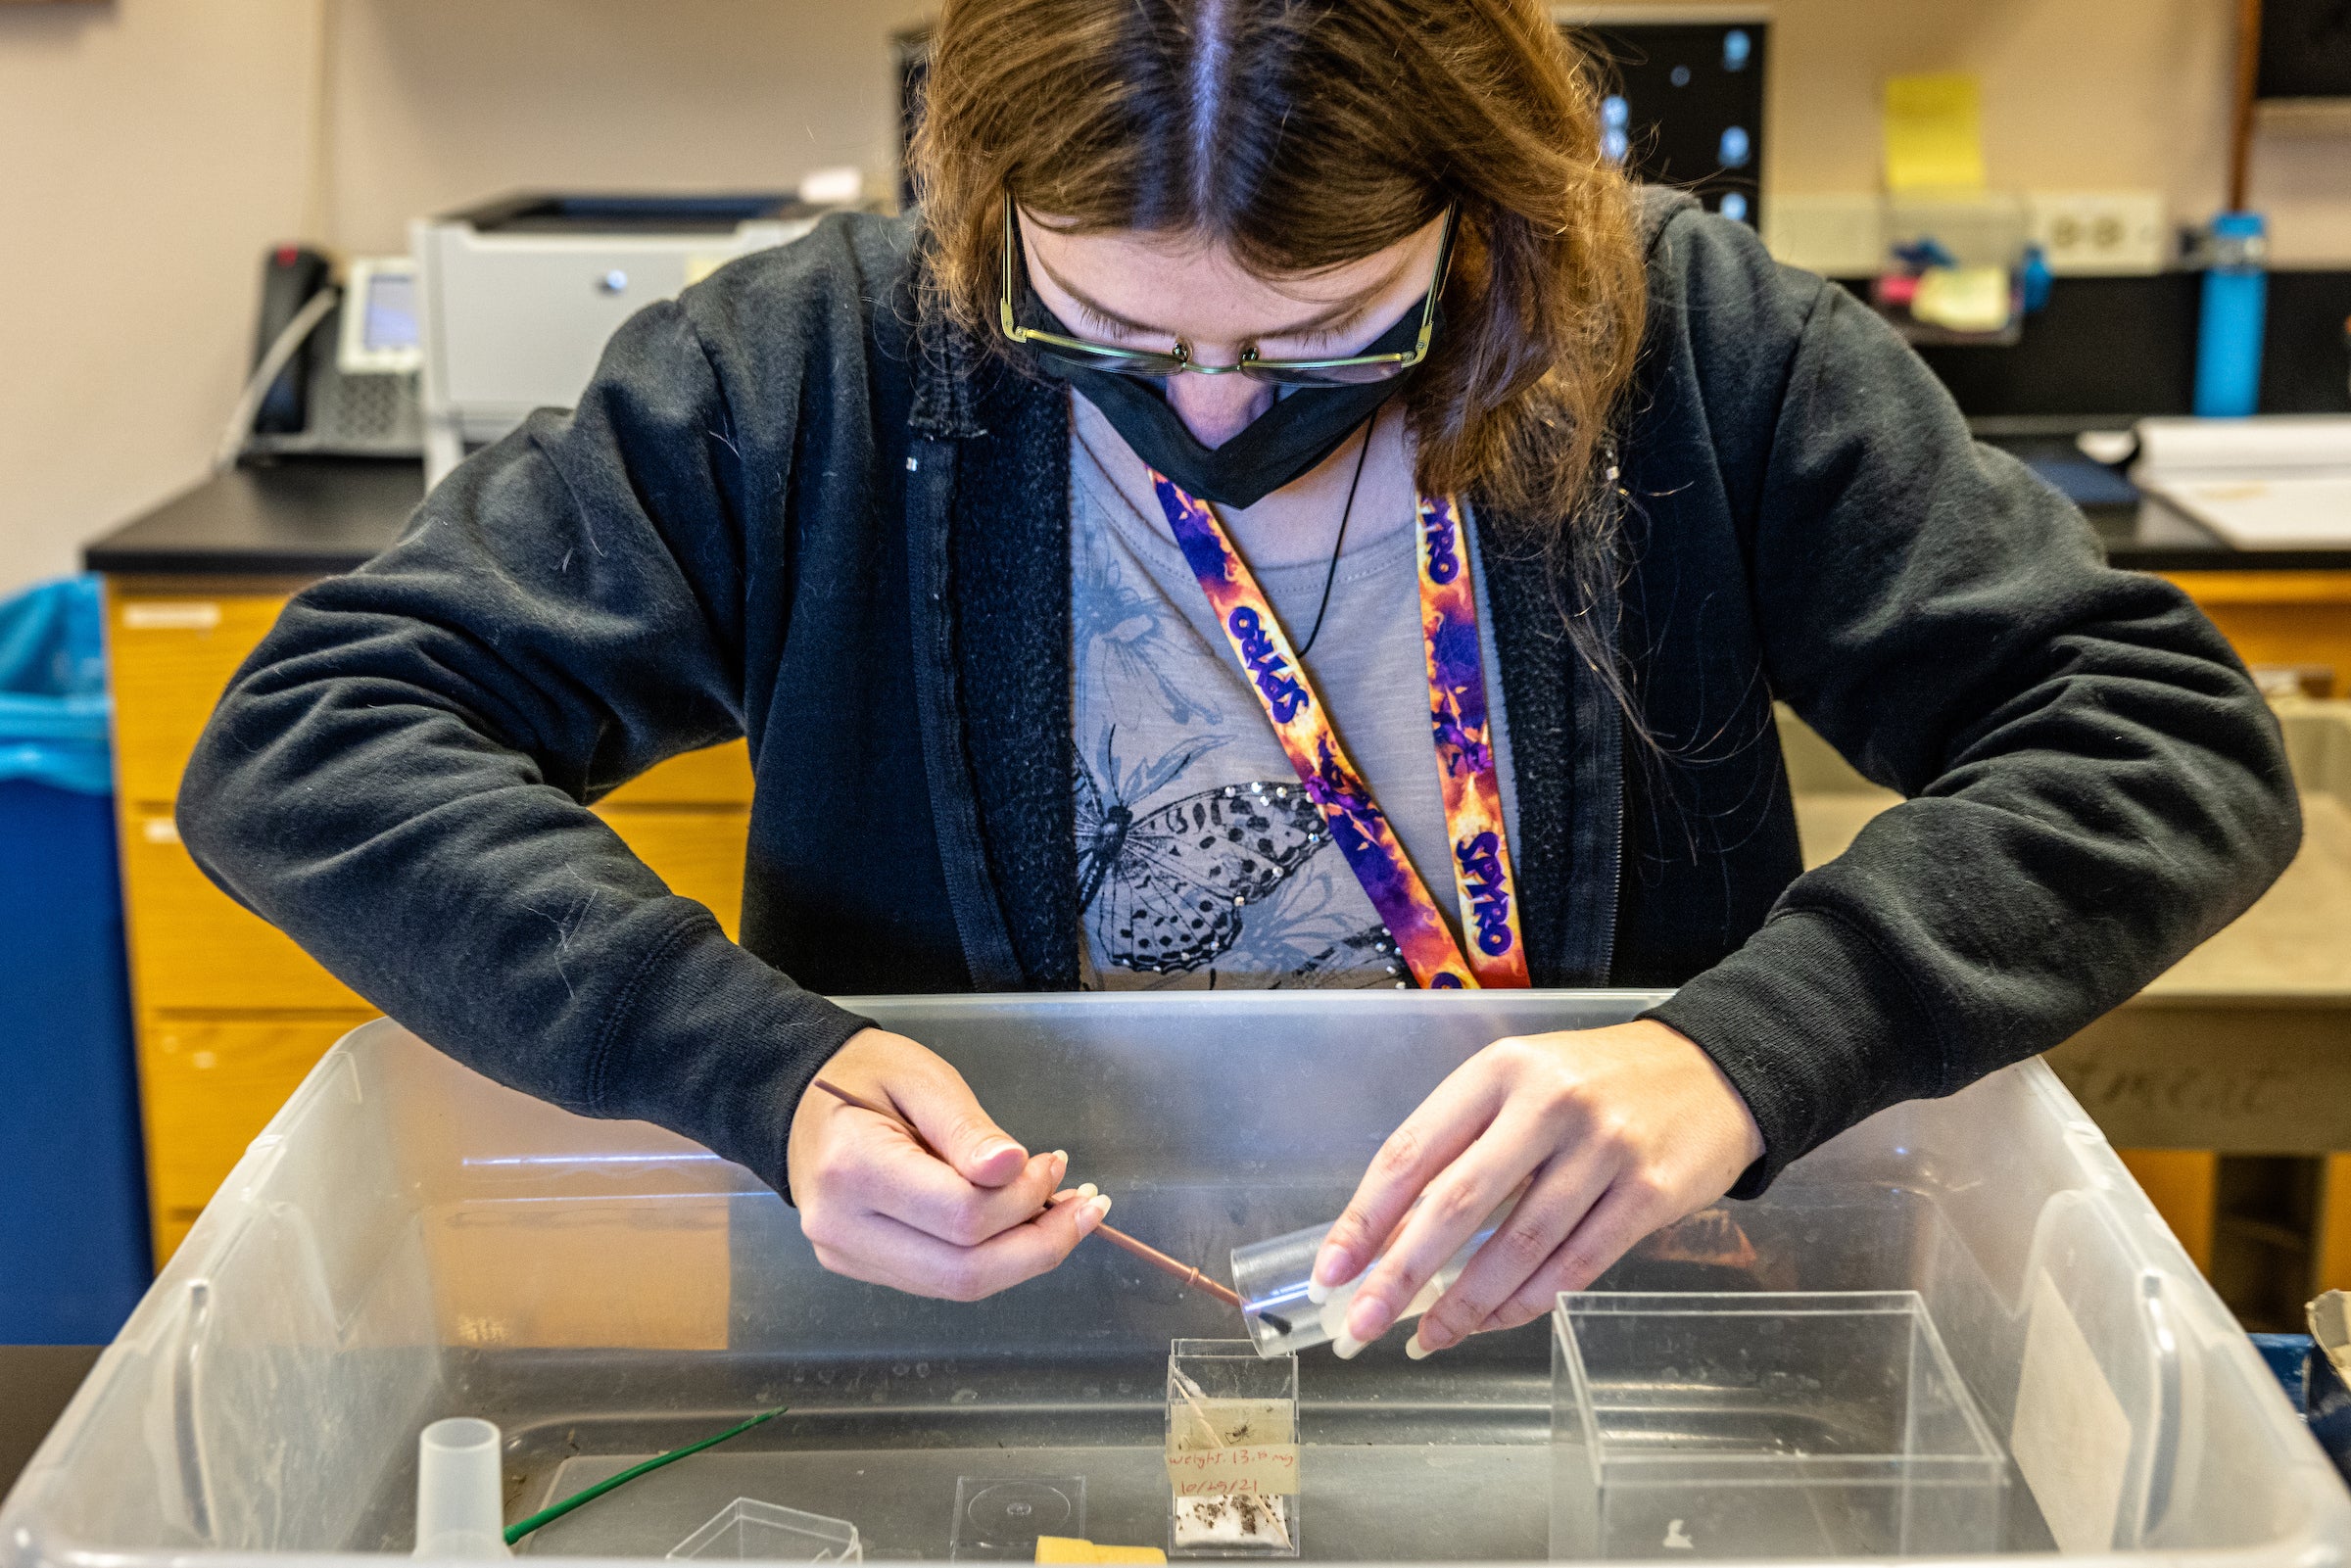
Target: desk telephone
x=334, y=364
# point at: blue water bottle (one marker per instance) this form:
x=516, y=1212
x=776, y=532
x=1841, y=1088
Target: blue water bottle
x=2237, y=289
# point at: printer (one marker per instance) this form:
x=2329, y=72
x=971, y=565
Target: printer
x=517, y=296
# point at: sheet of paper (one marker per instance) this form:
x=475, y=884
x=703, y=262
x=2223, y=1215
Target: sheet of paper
x=2282, y=511
x=2072, y=1438
x=1934, y=132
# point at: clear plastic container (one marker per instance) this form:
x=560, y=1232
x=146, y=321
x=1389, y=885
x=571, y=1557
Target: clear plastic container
x=409, y=1241
x=1232, y=1451
x=750, y=1530
x=999, y=1517
x=1274, y=1279
x=1805, y=1425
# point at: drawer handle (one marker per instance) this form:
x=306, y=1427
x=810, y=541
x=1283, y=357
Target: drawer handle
x=171, y=615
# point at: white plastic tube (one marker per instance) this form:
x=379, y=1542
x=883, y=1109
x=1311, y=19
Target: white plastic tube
x=461, y=1494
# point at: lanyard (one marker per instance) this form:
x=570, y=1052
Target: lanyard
x=1456, y=701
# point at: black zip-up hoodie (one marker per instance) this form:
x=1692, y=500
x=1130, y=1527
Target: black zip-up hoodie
x=791, y=507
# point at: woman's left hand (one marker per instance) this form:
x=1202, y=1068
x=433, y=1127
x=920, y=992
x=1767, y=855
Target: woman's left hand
x=1614, y=1133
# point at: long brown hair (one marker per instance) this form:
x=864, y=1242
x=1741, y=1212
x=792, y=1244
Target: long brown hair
x=1307, y=133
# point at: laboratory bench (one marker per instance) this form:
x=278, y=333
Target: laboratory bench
x=304, y=519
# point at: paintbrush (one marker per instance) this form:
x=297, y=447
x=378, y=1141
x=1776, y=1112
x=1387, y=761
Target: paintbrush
x=1149, y=1254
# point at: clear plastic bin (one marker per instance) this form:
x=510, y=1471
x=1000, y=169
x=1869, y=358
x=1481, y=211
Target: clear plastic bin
x=409, y=1241
x=1805, y=1425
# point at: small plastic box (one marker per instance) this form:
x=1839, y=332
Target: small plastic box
x=999, y=1517
x=748, y=1530
x=1806, y=1424
x=1232, y=1434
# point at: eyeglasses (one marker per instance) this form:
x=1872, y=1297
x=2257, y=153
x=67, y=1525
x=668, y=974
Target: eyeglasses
x=1352, y=369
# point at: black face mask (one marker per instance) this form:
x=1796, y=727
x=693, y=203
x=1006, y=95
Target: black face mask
x=1281, y=444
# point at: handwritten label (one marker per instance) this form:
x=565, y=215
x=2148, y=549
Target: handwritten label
x=1264, y=1470
x=1232, y=1447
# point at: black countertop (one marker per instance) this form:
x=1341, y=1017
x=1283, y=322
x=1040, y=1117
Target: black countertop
x=307, y=517
x=316, y=516
x=35, y=1381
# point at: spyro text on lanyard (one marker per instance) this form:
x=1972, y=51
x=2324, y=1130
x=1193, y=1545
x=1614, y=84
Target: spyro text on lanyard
x=1456, y=701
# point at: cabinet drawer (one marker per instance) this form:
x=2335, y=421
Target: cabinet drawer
x=209, y=1087
x=717, y=775
x=171, y=656
x=193, y=946
x=697, y=850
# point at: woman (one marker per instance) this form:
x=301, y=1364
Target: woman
x=1067, y=556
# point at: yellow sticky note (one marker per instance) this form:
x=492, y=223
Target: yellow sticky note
x=1070, y=1549
x=1934, y=132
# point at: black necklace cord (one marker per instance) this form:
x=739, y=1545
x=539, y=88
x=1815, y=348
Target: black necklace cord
x=1332, y=575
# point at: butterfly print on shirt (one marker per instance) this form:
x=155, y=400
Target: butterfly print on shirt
x=1165, y=889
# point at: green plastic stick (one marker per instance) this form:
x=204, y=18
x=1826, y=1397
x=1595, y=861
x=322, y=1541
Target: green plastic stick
x=556, y=1510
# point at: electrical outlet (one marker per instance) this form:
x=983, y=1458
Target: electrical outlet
x=2100, y=233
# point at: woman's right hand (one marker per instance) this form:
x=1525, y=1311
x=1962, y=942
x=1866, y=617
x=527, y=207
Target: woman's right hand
x=980, y=1216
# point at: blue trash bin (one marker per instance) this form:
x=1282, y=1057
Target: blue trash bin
x=74, y=1245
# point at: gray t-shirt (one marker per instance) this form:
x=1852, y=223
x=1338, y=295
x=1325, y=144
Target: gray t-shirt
x=1201, y=863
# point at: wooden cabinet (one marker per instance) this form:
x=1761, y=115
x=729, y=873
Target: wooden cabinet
x=2293, y=620
x=230, y=1011
x=210, y=1085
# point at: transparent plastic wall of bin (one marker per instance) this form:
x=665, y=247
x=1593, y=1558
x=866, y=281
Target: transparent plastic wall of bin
x=409, y=1241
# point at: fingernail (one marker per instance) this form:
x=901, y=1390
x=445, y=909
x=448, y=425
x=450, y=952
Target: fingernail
x=1367, y=1318
x=1096, y=1210
x=1086, y=1189
x=1413, y=1348
x=1061, y=1164
x=1328, y=1274
x=1346, y=1347
x=995, y=1147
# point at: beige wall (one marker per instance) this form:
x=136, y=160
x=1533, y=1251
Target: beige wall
x=441, y=102
x=149, y=150
x=2078, y=95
